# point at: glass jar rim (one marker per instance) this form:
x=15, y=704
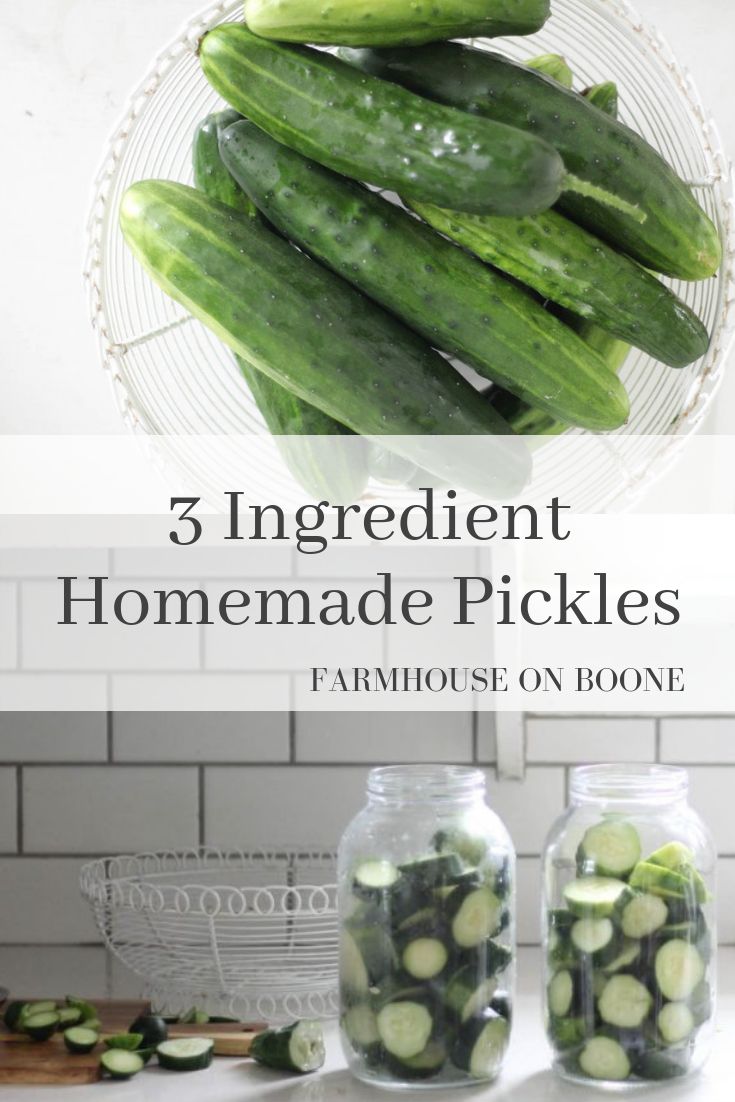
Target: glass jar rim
x=628, y=781
x=425, y=783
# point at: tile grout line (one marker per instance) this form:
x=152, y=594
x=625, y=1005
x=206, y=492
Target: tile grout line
x=18, y=624
x=201, y=796
x=19, y=839
x=110, y=738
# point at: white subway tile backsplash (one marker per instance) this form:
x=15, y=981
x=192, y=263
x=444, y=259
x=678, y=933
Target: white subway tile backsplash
x=528, y=900
x=51, y=972
x=8, y=811
x=711, y=793
x=384, y=736
x=698, y=739
x=48, y=645
x=46, y=562
x=230, y=691
x=580, y=739
x=53, y=736
x=486, y=741
x=245, y=807
x=53, y=692
x=8, y=626
x=234, y=560
x=109, y=809
x=528, y=807
x=41, y=902
x=200, y=736
x=726, y=901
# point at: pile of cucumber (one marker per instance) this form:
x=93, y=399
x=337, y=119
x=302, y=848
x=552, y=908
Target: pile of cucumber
x=424, y=965
x=628, y=958
x=530, y=226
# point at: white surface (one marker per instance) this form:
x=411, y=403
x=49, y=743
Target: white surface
x=526, y=1076
x=67, y=69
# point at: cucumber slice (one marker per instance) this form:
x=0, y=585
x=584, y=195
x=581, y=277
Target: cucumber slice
x=298, y=1047
x=353, y=973
x=79, y=1039
x=404, y=1028
x=481, y=1045
x=679, y=969
x=604, y=1058
x=476, y=916
x=41, y=1026
x=657, y=880
x=188, y=1053
x=376, y=949
x=674, y=855
x=360, y=1025
x=629, y=953
x=127, y=1041
x=424, y=1066
x=624, y=1002
x=153, y=1029
x=432, y=872
x=567, y=1033
x=119, y=1064
x=89, y=1012
x=426, y=918
x=467, y=995
x=560, y=994
x=13, y=1014
x=69, y=1016
x=661, y=1064
x=472, y=849
x=643, y=916
x=701, y=1003
x=595, y=896
x=46, y=1006
x=424, y=958
x=611, y=848
x=595, y=937
x=675, y=1023
x=194, y=1016
x=374, y=876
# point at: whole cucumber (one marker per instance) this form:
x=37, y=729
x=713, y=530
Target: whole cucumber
x=454, y=301
x=553, y=66
x=330, y=467
x=392, y=22
x=671, y=233
x=377, y=132
x=314, y=334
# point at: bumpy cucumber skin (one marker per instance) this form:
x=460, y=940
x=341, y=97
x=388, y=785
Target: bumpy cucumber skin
x=676, y=238
x=392, y=22
x=605, y=97
x=453, y=300
x=377, y=132
x=314, y=334
x=334, y=470
x=210, y=174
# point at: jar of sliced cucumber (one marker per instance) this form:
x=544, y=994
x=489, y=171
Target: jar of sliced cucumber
x=629, y=929
x=426, y=874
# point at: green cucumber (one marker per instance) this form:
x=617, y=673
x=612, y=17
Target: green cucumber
x=392, y=22
x=658, y=880
x=187, y=1053
x=663, y=1064
x=596, y=939
x=629, y=953
x=449, y=297
x=313, y=333
x=152, y=1028
x=69, y=1016
x=567, y=1033
x=595, y=896
x=425, y=1065
x=88, y=1011
x=475, y=915
x=553, y=66
x=467, y=994
x=659, y=221
x=404, y=1027
x=675, y=1023
x=679, y=969
x=119, y=1064
x=41, y=1025
x=80, y=1039
x=13, y=1014
x=609, y=848
x=625, y=1002
x=330, y=469
x=374, y=131
x=604, y=96
x=127, y=1041
x=604, y=1058
x=481, y=1044
x=643, y=916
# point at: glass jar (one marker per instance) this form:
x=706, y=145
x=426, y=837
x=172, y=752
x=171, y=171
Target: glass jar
x=426, y=898
x=629, y=928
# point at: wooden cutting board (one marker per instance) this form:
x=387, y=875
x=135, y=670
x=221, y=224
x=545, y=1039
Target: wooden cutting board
x=23, y=1061
x=26, y=1062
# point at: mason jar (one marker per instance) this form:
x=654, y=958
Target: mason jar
x=426, y=900
x=629, y=928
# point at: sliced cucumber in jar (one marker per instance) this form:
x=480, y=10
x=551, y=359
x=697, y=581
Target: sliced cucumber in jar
x=625, y=1002
x=467, y=994
x=481, y=1045
x=425, y=1065
x=567, y=1033
x=424, y=958
x=629, y=953
x=662, y=1064
x=432, y=872
x=404, y=1028
x=611, y=848
x=675, y=1023
x=372, y=878
x=679, y=969
x=360, y=1024
x=657, y=880
x=595, y=938
x=595, y=896
x=604, y=1058
x=643, y=916
x=475, y=916
x=560, y=994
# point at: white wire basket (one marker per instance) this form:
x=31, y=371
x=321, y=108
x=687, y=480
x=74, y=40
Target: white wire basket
x=171, y=376
x=252, y=934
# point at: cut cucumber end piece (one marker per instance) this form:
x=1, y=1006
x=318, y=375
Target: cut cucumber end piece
x=119, y=1064
x=185, y=1054
x=127, y=1041
x=79, y=1039
x=595, y=896
x=41, y=1026
x=611, y=848
x=376, y=875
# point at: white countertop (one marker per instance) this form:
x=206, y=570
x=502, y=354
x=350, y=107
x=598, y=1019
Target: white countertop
x=526, y=1076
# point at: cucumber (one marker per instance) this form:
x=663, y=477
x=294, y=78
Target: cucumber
x=44, y=1006
x=80, y=1039
x=425, y=1065
x=481, y=1044
x=663, y=882
x=662, y=1064
x=470, y=848
x=389, y=469
x=434, y=872
x=404, y=1028
x=298, y=1047
x=567, y=1033
x=13, y=1014
x=374, y=131
x=560, y=994
x=680, y=859
x=595, y=938
x=127, y=1041
x=553, y=66
x=361, y=1026
x=679, y=969
x=604, y=1058
x=675, y=1023
x=314, y=334
x=467, y=994
x=330, y=469
x=595, y=896
x=625, y=1002
x=152, y=1028
x=188, y=1053
x=353, y=974
x=659, y=222
x=494, y=958
x=424, y=958
x=41, y=1025
x=373, y=878
x=630, y=952
x=643, y=916
x=69, y=1016
x=450, y=298
x=119, y=1064
x=700, y=1003
x=604, y=96
x=392, y=22
x=610, y=848
x=88, y=1011
x=475, y=916
x=374, y=945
